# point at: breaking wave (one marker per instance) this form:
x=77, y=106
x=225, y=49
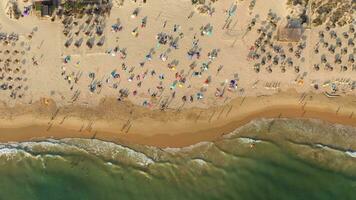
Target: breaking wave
x=278, y=150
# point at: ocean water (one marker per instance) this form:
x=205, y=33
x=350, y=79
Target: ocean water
x=235, y=167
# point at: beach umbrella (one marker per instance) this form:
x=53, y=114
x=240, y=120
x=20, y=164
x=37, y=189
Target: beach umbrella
x=200, y=95
x=316, y=67
x=67, y=59
x=135, y=32
x=79, y=42
x=135, y=13
x=90, y=42
x=101, y=41
x=68, y=42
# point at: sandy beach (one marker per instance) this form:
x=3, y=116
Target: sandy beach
x=127, y=123
x=160, y=73
x=178, y=99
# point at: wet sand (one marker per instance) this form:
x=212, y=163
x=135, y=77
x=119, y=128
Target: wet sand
x=126, y=123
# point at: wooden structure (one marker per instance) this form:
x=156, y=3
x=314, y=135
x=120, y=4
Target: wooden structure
x=291, y=31
x=45, y=8
x=289, y=34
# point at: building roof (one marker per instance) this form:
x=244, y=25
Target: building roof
x=52, y=2
x=45, y=10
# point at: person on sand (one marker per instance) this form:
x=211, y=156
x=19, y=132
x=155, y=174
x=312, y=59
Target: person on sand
x=144, y=22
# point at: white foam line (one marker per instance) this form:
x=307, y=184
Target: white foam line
x=350, y=153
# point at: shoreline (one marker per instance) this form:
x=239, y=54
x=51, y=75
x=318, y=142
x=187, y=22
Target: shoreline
x=125, y=123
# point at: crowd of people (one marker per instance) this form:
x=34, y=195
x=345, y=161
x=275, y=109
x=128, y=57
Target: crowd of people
x=181, y=65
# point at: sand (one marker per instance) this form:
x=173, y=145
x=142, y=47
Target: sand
x=54, y=106
x=126, y=123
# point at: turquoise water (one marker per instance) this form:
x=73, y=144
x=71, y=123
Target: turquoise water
x=228, y=169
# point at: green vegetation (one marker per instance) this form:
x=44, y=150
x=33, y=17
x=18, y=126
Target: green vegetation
x=38, y=7
x=298, y=2
x=338, y=12
x=74, y=5
x=198, y=1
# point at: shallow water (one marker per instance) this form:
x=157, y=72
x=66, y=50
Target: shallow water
x=235, y=167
